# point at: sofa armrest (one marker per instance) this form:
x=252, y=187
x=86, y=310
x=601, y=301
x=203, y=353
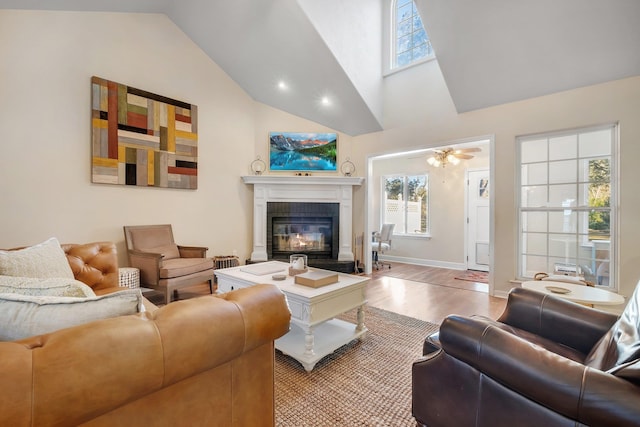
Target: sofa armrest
x=265, y=311
x=559, y=320
x=590, y=396
x=143, y=254
x=193, y=251
x=149, y=265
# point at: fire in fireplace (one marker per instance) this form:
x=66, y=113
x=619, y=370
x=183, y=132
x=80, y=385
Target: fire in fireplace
x=305, y=228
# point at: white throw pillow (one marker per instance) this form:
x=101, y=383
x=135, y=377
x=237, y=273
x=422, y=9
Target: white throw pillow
x=55, y=287
x=23, y=316
x=44, y=260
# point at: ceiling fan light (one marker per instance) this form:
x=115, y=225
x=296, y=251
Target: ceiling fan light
x=432, y=161
x=453, y=159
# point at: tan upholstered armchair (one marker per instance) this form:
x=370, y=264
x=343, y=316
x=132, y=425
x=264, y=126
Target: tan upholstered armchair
x=165, y=266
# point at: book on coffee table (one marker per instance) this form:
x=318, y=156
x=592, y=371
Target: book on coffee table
x=263, y=268
x=315, y=279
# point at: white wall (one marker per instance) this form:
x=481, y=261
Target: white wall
x=48, y=59
x=419, y=112
x=351, y=36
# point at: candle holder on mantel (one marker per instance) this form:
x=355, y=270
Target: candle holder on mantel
x=297, y=264
x=258, y=166
x=347, y=167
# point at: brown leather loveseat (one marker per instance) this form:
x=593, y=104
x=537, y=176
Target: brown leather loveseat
x=544, y=362
x=206, y=361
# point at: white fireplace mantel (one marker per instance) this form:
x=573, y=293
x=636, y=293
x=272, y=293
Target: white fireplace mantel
x=309, y=189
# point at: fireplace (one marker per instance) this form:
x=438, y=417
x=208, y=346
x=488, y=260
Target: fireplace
x=312, y=200
x=303, y=228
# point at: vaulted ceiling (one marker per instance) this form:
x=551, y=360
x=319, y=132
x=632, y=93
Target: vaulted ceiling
x=490, y=52
x=495, y=51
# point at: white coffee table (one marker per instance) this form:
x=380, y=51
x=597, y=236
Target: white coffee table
x=314, y=333
x=577, y=293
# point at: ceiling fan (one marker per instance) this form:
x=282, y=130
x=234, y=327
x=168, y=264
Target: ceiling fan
x=450, y=155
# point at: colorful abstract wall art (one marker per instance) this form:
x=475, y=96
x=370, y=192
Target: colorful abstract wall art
x=142, y=139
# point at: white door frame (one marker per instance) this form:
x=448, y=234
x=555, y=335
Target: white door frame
x=467, y=214
x=369, y=197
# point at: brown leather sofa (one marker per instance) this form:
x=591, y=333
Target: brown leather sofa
x=544, y=362
x=95, y=264
x=206, y=361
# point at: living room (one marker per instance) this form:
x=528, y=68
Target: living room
x=49, y=57
x=48, y=166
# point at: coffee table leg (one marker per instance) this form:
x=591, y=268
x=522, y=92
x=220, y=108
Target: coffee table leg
x=360, y=316
x=308, y=341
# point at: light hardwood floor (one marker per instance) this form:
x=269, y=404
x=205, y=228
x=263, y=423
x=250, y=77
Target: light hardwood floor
x=432, y=301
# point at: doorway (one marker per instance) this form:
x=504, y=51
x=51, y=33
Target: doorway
x=445, y=246
x=478, y=219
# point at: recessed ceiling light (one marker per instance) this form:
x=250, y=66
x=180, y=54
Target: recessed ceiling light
x=282, y=85
x=325, y=101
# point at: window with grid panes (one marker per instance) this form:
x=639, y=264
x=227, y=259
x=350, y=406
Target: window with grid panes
x=567, y=204
x=406, y=203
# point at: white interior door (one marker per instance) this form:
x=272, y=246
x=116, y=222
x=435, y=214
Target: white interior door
x=478, y=219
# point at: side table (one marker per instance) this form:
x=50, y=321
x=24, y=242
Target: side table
x=581, y=294
x=129, y=277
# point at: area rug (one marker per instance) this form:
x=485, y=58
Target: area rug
x=474, y=276
x=364, y=383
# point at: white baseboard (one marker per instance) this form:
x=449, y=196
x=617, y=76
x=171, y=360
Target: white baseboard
x=500, y=294
x=425, y=262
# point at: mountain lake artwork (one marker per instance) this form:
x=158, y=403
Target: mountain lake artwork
x=307, y=152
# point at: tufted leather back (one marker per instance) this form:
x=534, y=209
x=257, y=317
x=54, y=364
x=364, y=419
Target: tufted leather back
x=95, y=264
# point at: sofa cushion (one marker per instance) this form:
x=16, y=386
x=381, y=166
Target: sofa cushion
x=44, y=260
x=182, y=266
x=56, y=286
x=23, y=316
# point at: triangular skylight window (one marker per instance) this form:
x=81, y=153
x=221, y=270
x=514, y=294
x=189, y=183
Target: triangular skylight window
x=410, y=40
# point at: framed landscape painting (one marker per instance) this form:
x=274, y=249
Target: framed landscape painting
x=304, y=152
